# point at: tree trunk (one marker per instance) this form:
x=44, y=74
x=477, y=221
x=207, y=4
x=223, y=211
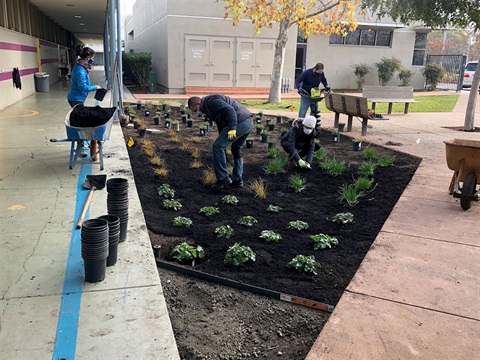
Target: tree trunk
x=469, y=124
x=277, y=71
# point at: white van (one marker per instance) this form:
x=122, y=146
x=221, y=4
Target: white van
x=469, y=71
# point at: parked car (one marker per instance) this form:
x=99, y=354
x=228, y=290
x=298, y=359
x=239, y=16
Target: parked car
x=469, y=71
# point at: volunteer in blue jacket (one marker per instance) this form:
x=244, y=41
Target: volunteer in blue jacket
x=310, y=78
x=234, y=123
x=80, y=85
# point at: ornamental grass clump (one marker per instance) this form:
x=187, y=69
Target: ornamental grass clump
x=230, y=199
x=323, y=241
x=239, y=254
x=367, y=168
x=369, y=153
x=363, y=183
x=320, y=155
x=209, y=210
x=349, y=194
x=196, y=164
x=196, y=153
x=162, y=171
x=157, y=161
x=172, y=204
x=247, y=220
x=333, y=167
x=181, y=221
x=270, y=236
x=306, y=264
x=259, y=188
x=343, y=218
x=385, y=161
x=148, y=147
x=184, y=252
x=209, y=177
x=298, y=225
x=272, y=152
x=276, y=165
x=225, y=231
x=297, y=182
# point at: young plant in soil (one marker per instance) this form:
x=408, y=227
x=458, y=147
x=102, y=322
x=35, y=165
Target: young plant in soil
x=185, y=252
x=276, y=165
x=274, y=208
x=272, y=152
x=148, y=147
x=230, y=199
x=247, y=220
x=259, y=188
x=157, y=161
x=385, y=161
x=209, y=210
x=323, y=241
x=333, y=167
x=270, y=236
x=163, y=172
x=367, y=168
x=320, y=155
x=225, y=231
x=171, y=204
x=363, y=183
x=369, y=153
x=239, y=254
x=297, y=182
x=349, y=194
x=166, y=191
x=208, y=177
x=343, y=218
x=181, y=221
x=196, y=164
x=306, y=264
x=196, y=153
x=298, y=225
x=185, y=146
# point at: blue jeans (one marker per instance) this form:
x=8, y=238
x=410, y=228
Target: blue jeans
x=221, y=143
x=305, y=103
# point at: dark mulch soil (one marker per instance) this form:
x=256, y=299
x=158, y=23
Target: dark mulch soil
x=314, y=205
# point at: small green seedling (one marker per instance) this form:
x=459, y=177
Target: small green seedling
x=297, y=182
x=369, y=153
x=333, y=167
x=247, y=220
x=272, y=152
x=349, y=194
x=270, y=236
x=363, y=183
x=187, y=252
x=322, y=241
x=239, y=254
x=230, y=199
x=298, y=225
x=274, y=208
x=276, y=165
x=385, y=161
x=225, y=231
x=166, y=191
x=367, y=168
x=209, y=210
x=181, y=221
x=172, y=204
x=343, y=218
x=320, y=155
x=306, y=264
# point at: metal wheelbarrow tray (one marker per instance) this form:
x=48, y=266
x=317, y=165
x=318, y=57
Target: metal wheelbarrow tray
x=463, y=157
x=78, y=134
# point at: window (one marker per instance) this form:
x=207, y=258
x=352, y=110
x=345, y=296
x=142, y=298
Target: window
x=419, y=49
x=363, y=37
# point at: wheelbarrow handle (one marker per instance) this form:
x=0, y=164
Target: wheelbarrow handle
x=61, y=140
x=85, y=208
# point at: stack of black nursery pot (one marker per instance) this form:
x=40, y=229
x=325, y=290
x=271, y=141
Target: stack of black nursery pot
x=117, y=203
x=113, y=237
x=95, y=249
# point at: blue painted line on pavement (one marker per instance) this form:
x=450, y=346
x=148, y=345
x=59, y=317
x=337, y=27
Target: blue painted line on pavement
x=67, y=326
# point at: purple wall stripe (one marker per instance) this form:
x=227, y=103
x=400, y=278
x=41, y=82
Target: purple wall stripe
x=47, y=43
x=16, y=47
x=8, y=75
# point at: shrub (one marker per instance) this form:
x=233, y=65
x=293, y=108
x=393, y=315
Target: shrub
x=298, y=225
x=172, y=204
x=433, y=74
x=247, y=220
x=405, y=76
x=305, y=264
x=274, y=208
x=386, y=69
x=196, y=164
x=369, y=153
x=320, y=155
x=272, y=152
x=363, y=183
x=367, y=168
x=322, y=241
x=360, y=71
x=238, y=254
x=276, y=165
x=187, y=252
x=343, y=218
x=333, y=167
x=386, y=160
x=225, y=231
x=209, y=177
x=181, y=221
x=139, y=65
x=162, y=171
x=230, y=199
x=166, y=191
x=209, y=210
x=270, y=236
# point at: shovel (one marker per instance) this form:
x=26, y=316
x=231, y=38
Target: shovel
x=92, y=182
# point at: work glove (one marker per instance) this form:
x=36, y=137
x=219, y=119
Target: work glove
x=327, y=88
x=98, y=87
x=303, y=164
x=232, y=134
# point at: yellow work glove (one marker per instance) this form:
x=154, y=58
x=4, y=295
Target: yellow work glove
x=232, y=134
x=303, y=164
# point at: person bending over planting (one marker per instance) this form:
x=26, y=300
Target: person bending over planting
x=299, y=142
x=234, y=123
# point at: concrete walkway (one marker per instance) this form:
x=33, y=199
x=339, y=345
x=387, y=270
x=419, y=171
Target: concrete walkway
x=414, y=296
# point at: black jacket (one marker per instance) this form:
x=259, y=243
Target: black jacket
x=17, y=81
x=225, y=111
x=295, y=139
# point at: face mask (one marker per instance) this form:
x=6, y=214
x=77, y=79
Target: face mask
x=90, y=61
x=307, y=131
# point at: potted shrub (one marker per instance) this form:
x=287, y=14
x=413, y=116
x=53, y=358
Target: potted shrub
x=189, y=123
x=139, y=105
x=357, y=144
x=249, y=143
x=284, y=130
x=184, y=118
x=259, y=128
x=176, y=125
x=142, y=131
x=271, y=126
x=182, y=109
x=156, y=120
x=132, y=114
x=264, y=136
x=203, y=129
x=279, y=119
x=168, y=123
x=335, y=136
x=341, y=127
x=271, y=144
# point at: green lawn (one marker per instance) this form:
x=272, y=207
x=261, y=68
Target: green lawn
x=426, y=103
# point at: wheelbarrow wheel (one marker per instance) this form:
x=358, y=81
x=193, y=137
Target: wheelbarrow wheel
x=468, y=190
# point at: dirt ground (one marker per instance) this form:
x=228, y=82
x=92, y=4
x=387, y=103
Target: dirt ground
x=215, y=322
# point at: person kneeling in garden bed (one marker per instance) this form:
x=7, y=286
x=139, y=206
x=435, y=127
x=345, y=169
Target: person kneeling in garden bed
x=234, y=123
x=299, y=142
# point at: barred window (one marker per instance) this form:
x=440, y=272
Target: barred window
x=365, y=37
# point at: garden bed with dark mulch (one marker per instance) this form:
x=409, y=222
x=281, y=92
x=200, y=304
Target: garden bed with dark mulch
x=315, y=205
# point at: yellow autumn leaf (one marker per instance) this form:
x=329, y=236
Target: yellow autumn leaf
x=130, y=142
x=16, y=207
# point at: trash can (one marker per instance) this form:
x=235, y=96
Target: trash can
x=42, y=83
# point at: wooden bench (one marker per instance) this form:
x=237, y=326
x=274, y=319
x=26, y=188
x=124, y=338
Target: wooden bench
x=390, y=95
x=349, y=105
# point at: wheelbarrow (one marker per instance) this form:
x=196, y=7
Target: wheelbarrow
x=77, y=135
x=463, y=157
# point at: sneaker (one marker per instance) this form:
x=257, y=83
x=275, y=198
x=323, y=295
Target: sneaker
x=220, y=184
x=82, y=152
x=237, y=183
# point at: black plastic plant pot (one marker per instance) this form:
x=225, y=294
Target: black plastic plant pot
x=259, y=120
x=136, y=125
x=95, y=270
x=147, y=113
x=189, y=123
x=259, y=131
x=112, y=254
x=139, y=106
x=279, y=119
x=142, y=132
x=156, y=120
x=271, y=145
x=341, y=127
x=249, y=144
x=184, y=118
x=203, y=132
x=357, y=146
x=336, y=138
x=117, y=185
x=271, y=127
x=168, y=124
x=264, y=138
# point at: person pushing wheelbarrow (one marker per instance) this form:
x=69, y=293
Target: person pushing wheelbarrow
x=307, y=84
